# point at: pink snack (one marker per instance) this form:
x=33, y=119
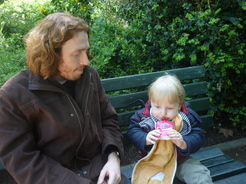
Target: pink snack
x=164, y=126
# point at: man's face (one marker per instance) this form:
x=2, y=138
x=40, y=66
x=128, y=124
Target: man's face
x=74, y=56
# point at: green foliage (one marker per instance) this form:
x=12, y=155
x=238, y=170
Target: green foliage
x=131, y=37
x=15, y=17
x=79, y=8
x=117, y=48
x=11, y=63
x=173, y=34
x=112, y=47
x=16, y=20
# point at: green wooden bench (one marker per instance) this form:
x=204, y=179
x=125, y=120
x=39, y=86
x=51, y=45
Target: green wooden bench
x=125, y=95
x=129, y=89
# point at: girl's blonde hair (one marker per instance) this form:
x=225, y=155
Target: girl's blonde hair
x=167, y=87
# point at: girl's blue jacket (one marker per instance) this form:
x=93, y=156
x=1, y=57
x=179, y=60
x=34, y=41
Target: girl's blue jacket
x=195, y=138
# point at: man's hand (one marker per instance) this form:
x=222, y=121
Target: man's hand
x=110, y=174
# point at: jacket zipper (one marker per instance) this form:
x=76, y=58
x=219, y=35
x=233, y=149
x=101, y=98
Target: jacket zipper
x=86, y=104
x=87, y=97
x=76, y=113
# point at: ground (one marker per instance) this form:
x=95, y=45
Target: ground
x=213, y=137
x=237, y=154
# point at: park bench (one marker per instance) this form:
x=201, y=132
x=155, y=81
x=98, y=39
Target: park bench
x=127, y=94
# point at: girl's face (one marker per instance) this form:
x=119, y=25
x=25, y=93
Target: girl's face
x=165, y=110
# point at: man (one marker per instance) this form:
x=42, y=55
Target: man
x=57, y=124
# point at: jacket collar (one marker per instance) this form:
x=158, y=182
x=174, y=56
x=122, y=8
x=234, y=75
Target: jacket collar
x=36, y=82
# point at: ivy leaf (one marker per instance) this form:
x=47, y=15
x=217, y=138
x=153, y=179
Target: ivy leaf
x=226, y=132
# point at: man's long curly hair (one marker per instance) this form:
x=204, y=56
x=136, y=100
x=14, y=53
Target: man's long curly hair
x=45, y=40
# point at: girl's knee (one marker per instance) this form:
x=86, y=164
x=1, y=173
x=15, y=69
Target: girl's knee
x=193, y=172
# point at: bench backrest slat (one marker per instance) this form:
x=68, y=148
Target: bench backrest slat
x=126, y=100
x=134, y=81
x=201, y=104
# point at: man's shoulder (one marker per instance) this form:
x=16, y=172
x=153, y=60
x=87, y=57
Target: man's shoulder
x=21, y=78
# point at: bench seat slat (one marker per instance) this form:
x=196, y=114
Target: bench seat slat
x=225, y=170
x=207, y=154
x=127, y=172
x=236, y=179
x=217, y=161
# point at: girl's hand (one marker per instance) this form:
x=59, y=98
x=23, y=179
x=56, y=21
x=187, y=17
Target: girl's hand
x=151, y=137
x=177, y=139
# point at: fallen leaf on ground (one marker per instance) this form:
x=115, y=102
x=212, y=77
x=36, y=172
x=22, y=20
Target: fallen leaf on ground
x=226, y=132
